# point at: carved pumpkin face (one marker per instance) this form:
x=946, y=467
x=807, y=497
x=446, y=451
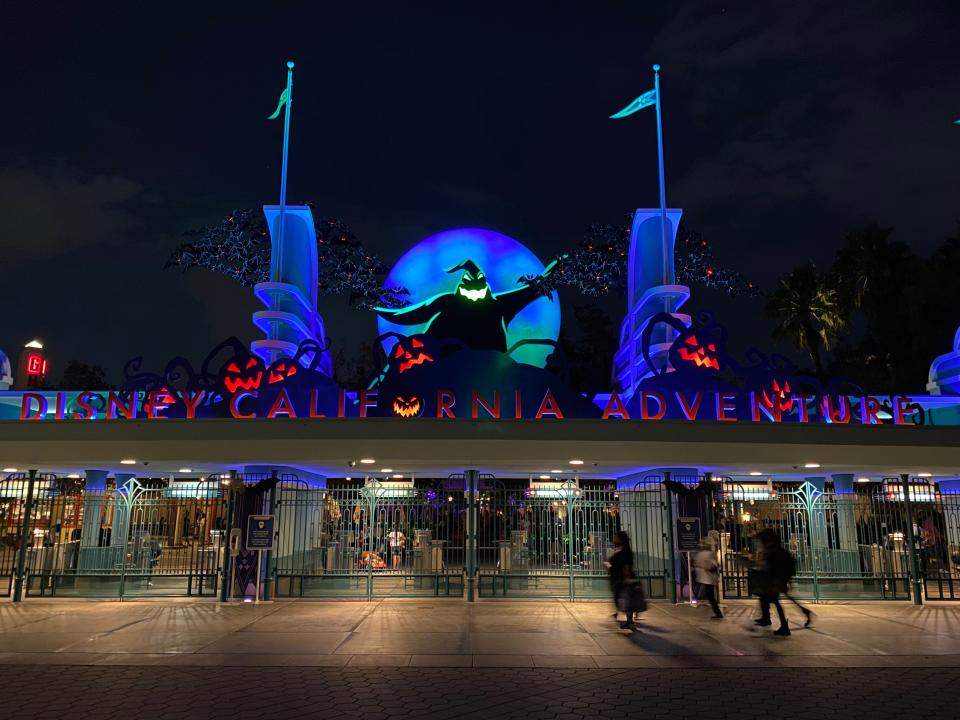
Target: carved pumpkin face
x=702, y=355
x=780, y=394
x=243, y=375
x=406, y=356
x=407, y=406
x=281, y=370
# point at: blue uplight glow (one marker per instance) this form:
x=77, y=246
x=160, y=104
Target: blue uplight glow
x=422, y=270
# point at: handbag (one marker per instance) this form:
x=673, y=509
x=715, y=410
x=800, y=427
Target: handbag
x=759, y=582
x=632, y=599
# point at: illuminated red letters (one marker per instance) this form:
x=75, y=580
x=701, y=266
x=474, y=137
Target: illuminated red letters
x=689, y=411
x=900, y=410
x=283, y=406
x=129, y=411
x=314, y=398
x=445, y=402
x=190, y=402
x=26, y=406
x=726, y=402
x=87, y=411
x=492, y=410
x=869, y=409
x=645, y=413
x=235, y=403
x=549, y=406
x=839, y=416
x=368, y=399
x=615, y=407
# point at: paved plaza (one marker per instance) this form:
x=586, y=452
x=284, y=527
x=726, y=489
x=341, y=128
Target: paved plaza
x=422, y=659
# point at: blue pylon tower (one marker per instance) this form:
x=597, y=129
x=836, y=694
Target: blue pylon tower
x=651, y=289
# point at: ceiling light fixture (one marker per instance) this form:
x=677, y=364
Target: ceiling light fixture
x=397, y=476
x=386, y=470
x=811, y=466
x=185, y=470
x=863, y=479
x=924, y=474
x=756, y=474
x=544, y=477
x=555, y=472
x=367, y=461
x=128, y=461
x=9, y=470
x=576, y=462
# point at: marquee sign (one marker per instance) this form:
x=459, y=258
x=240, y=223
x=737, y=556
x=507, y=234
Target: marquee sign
x=330, y=403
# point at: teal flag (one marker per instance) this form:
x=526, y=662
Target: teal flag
x=646, y=100
x=283, y=99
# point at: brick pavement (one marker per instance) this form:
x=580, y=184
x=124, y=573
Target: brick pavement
x=448, y=659
x=177, y=693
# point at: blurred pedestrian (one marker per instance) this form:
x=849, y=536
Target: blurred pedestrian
x=707, y=571
x=775, y=570
x=620, y=567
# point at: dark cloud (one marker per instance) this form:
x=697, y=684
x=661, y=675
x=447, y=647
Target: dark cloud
x=48, y=211
x=825, y=116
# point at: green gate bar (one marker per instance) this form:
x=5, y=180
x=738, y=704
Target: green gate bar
x=21, y=570
x=472, y=478
x=672, y=577
x=916, y=582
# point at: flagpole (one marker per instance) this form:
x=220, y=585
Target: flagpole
x=283, y=171
x=663, y=191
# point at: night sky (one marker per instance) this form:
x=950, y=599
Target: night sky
x=787, y=125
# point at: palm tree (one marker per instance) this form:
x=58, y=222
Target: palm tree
x=806, y=310
x=867, y=271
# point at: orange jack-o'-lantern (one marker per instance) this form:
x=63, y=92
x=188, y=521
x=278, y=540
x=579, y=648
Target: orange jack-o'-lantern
x=779, y=394
x=700, y=355
x=247, y=377
x=407, y=406
x=280, y=371
x=406, y=355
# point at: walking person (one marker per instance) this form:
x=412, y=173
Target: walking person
x=775, y=571
x=620, y=567
x=707, y=571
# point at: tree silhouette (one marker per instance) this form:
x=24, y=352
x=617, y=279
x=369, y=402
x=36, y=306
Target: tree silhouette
x=239, y=247
x=806, y=311
x=81, y=376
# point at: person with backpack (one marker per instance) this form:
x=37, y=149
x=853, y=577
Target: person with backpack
x=776, y=569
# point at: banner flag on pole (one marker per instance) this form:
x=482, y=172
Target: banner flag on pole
x=283, y=100
x=646, y=100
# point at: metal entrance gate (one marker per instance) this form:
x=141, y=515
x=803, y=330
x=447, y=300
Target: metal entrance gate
x=938, y=543
x=867, y=544
x=371, y=538
x=553, y=541
x=144, y=538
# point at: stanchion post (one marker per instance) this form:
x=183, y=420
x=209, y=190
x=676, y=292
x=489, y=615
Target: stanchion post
x=259, y=572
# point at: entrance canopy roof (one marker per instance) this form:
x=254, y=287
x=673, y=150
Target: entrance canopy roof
x=608, y=449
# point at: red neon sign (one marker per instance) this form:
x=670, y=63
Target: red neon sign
x=36, y=364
